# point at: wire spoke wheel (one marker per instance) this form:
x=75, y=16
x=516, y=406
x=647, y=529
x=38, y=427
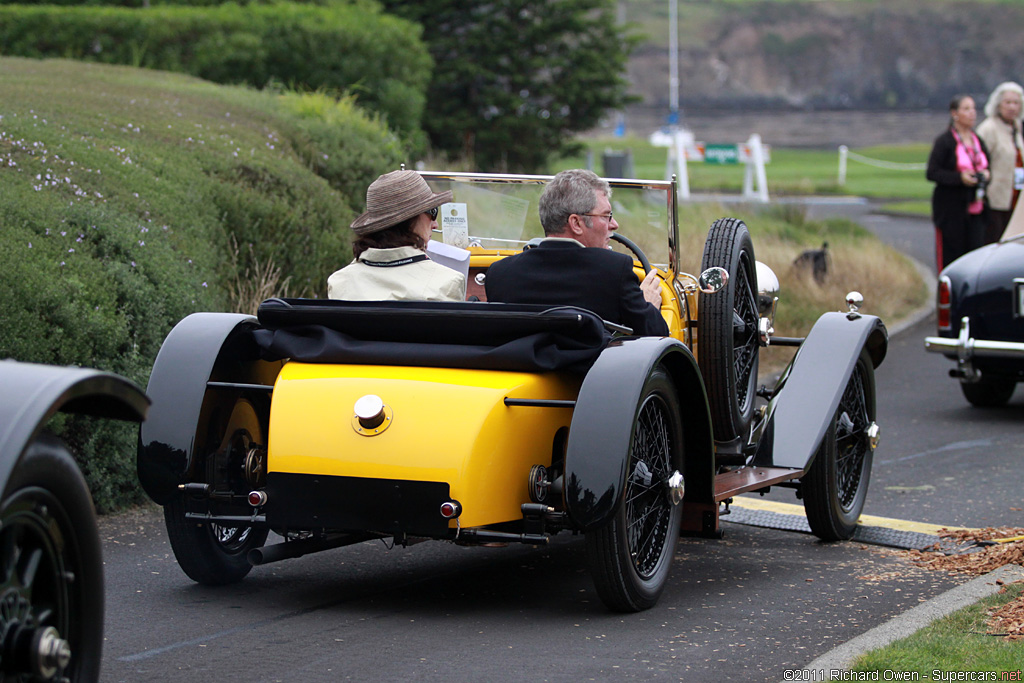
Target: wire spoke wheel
x=631, y=555
x=852, y=443
x=231, y=538
x=835, y=487
x=648, y=510
x=728, y=344
x=746, y=343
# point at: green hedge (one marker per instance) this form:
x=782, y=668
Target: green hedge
x=350, y=47
x=131, y=198
x=154, y=3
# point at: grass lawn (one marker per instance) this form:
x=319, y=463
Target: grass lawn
x=790, y=171
x=961, y=641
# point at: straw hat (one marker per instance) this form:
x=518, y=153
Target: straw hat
x=395, y=197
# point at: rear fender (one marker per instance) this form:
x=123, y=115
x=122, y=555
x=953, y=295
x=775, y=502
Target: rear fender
x=34, y=393
x=601, y=432
x=800, y=413
x=201, y=348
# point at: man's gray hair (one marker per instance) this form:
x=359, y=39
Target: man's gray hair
x=570, y=192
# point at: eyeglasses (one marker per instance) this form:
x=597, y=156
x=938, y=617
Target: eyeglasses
x=606, y=216
x=432, y=213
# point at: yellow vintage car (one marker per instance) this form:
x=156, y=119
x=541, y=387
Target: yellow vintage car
x=332, y=422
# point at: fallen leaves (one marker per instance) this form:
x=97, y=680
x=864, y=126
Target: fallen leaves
x=1008, y=620
x=975, y=552
x=968, y=550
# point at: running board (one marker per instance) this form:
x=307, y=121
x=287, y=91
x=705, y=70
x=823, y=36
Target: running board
x=702, y=518
x=743, y=479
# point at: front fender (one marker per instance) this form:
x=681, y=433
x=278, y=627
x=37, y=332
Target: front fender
x=178, y=387
x=601, y=431
x=33, y=393
x=804, y=406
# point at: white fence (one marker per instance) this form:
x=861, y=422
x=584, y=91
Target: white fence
x=845, y=153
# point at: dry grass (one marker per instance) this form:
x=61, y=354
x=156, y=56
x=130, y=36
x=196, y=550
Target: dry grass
x=888, y=281
x=891, y=287
x=254, y=282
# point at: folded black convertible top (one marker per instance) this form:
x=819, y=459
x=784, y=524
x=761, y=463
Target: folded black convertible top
x=483, y=335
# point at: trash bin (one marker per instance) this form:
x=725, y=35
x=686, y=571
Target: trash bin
x=617, y=164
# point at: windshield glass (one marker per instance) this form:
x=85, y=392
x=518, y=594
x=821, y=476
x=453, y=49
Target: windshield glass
x=501, y=212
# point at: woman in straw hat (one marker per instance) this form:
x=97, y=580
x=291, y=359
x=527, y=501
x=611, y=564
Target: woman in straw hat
x=390, y=247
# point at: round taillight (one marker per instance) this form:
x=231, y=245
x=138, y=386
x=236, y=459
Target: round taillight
x=451, y=509
x=257, y=498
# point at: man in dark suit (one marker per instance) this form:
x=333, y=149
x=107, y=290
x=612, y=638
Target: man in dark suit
x=572, y=265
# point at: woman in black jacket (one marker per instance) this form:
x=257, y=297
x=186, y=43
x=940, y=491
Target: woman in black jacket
x=958, y=165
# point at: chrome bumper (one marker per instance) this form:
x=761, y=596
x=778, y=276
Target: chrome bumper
x=968, y=348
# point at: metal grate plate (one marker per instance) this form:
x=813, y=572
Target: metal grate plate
x=873, y=535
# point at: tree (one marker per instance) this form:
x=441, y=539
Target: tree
x=515, y=79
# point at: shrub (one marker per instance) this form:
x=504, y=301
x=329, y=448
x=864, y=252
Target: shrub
x=132, y=198
x=340, y=143
x=340, y=47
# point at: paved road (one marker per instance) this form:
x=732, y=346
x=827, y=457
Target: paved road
x=746, y=607
x=944, y=461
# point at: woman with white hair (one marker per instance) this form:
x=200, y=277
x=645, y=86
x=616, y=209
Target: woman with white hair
x=1001, y=133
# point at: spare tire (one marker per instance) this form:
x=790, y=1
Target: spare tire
x=727, y=330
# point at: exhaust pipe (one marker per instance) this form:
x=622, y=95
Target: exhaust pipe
x=305, y=546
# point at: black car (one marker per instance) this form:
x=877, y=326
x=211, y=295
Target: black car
x=51, y=565
x=981, y=319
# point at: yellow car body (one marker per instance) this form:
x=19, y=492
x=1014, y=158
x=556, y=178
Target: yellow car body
x=443, y=425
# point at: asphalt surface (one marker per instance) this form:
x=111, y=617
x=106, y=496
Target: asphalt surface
x=746, y=607
x=750, y=606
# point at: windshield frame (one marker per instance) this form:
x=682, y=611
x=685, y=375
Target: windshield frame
x=666, y=186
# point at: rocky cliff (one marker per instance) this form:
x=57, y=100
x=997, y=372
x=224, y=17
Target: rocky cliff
x=831, y=54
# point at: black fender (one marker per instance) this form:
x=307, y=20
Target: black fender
x=33, y=393
x=601, y=431
x=812, y=387
x=203, y=347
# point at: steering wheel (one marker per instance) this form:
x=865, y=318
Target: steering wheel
x=631, y=245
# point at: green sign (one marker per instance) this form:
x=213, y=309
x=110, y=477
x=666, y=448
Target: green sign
x=721, y=154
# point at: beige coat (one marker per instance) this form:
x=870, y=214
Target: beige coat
x=421, y=280
x=998, y=138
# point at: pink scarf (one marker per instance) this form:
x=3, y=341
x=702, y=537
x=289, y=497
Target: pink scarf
x=971, y=160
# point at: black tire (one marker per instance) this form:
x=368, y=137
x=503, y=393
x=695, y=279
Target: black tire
x=630, y=557
x=836, y=486
x=990, y=392
x=212, y=554
x=728, y=344
x=51, y=566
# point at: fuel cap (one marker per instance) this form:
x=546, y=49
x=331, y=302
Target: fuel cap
x=371, y=415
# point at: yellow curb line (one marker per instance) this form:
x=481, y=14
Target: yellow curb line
x=865, y=520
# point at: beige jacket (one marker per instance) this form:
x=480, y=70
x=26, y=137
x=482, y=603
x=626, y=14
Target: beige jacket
x=998, y=138
x=419, y=280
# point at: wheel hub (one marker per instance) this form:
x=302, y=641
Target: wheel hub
x=675, y=488
x=27, y=647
